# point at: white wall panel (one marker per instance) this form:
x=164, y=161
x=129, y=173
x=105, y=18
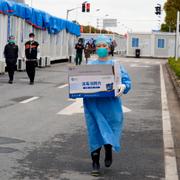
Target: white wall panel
x=56, y=46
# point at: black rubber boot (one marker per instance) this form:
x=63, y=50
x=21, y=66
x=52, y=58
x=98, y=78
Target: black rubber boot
x=10, y=82
x=95, y=155
x=108, y=155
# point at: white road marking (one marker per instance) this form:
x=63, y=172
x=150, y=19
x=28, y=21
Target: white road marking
x=143, y=61
x=77, y=107
x=126, y=110
x=63, y=86
x=169, y=152
x=152, y=63
x=141, y=66
x=74, y=108
x=29, y=100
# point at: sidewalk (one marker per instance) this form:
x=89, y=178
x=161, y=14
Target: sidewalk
x=173, y=95
x=175, y=80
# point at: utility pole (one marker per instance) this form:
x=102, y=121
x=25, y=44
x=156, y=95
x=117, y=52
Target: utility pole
x=158, y=13
x=177, y=36
x=97, y=25
x=97, y=10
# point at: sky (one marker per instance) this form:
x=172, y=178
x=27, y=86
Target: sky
x=131, y=15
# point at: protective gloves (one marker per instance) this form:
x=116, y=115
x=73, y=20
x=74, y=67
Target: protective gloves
x=121, y=88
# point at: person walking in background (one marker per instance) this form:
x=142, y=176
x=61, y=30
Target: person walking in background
x=104, y=116
x=112, y=48
x=93, y=46
x=11, y=56
x=79, y=50
x=31, y=53
x=87, y=51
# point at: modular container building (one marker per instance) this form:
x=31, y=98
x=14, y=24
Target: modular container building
x=55, y=36
x=155, y=44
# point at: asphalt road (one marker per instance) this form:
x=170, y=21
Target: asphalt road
x=43, y=133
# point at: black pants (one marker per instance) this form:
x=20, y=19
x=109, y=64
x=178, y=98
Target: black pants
x=78, y=58
x=31, y=69
x=10, y=69
x=112, y=53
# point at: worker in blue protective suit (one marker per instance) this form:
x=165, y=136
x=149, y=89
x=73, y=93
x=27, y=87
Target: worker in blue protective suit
x=104, y=116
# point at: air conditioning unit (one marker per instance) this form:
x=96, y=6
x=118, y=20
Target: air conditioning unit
x=2, y=67
x=41, y=62
x=47, y=61
x=21, y=66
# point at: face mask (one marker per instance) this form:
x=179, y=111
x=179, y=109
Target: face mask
x=12, y=41
x=102, y=52
x=31, y=39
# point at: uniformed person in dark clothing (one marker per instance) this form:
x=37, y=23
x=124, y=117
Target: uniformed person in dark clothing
x=31, y=51
x=112, y=48
x=79, y=50
x=11, y=55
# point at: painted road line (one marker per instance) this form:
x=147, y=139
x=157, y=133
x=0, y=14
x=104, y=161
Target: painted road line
x=151, y=62
x=62, y=86
x=74, y=108
x=126, y=110
x=169, y=152
x=140, y=66
x=157, y=62
x=77, y=107
x=29, y=100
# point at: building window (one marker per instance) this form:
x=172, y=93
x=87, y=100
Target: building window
x=135, y=42
x=161, y=43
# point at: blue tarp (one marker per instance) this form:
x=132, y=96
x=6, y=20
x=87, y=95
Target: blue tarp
x=38, y=18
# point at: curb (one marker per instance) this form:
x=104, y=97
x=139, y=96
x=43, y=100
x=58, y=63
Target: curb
x=174, y=79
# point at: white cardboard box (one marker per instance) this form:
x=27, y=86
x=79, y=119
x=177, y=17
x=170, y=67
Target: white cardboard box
x=94, y=80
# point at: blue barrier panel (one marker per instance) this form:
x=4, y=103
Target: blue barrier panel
x=38, y=18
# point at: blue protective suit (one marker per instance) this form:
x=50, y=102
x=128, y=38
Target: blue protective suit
x=104, y=116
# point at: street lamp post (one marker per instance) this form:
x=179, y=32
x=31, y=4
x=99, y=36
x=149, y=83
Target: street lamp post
x=89, y=23
x=69, y=10
x=103, y=24
x=97, y=10
x=177, y=36
x=98, y=23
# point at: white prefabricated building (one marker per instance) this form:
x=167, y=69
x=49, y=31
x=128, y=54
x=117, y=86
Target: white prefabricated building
x=155, y=44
